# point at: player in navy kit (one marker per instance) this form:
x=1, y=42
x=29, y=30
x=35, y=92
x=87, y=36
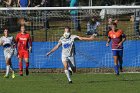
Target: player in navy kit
x=117, y=37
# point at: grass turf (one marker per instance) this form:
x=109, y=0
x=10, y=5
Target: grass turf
x=82, y=83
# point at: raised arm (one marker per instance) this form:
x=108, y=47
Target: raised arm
x=18, y=2
x=8, y=3
x=88, y=38
x=55, y=48
x=29, y=3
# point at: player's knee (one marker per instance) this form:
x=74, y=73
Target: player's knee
x=20, y=59
x=65, y=68
x=26, y=60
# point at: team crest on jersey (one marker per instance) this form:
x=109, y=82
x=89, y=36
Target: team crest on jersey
x=23, y=38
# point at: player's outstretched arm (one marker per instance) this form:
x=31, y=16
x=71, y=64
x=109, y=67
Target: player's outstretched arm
x=54, y=49
x=88, y=38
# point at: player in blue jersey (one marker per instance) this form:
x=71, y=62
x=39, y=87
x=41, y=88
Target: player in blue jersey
x=23, y=3
x=68, y=51
x=8, y=46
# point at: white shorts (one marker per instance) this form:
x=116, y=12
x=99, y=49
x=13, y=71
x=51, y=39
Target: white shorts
x=8, y=52
x=70, y=60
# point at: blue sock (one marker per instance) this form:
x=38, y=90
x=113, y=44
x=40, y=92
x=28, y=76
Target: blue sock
x=116, y=68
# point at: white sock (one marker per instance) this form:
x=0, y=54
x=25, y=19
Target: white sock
x=69, y=68
x=7, y=70
x=68, y=75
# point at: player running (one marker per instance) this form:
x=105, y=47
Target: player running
x=8, y=46
x=23, y=39
x=68, y=51
x=117, y=37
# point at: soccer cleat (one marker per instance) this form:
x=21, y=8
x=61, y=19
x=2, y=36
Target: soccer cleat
x=13, y=75
x=20, y=73
x=5, y=76
x=70, y=82
x=27, y=72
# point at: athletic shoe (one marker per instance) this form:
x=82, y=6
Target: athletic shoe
x=5, y=76
x=21, y=73
x=27, y=72
x=13, y=75
x=70, y=82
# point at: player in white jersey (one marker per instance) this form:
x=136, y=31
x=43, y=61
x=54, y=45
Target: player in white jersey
x=7, y=42
x=68, y=51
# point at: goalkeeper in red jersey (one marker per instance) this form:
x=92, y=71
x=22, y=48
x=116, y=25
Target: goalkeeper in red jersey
x=23, y=41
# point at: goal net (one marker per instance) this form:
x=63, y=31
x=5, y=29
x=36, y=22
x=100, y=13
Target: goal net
x=46, y=26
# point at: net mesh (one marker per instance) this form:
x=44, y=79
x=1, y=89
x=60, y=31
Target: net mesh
x=47, y=26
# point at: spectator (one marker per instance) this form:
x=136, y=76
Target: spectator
x=74, y=15
x=44, y=3
x=92, y=26
x=8, y=3
x=23, y=3
x=132, y=18
x=137, y=21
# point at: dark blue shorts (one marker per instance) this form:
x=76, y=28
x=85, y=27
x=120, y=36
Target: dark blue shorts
x=117, y=53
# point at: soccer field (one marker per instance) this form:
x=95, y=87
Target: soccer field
x=82, y=83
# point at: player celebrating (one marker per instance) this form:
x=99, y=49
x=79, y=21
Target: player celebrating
x=68, y=59
x=8, y=45
x=23, y=39
x=118, y=37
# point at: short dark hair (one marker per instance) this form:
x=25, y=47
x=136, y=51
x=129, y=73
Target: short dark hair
x=5, y=28
x=67, y=27
x=114, y=24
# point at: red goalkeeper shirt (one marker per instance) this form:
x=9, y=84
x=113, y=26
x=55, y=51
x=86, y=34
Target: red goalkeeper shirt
x=23, y=40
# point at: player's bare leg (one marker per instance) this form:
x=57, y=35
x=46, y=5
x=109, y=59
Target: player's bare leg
x=8, y=68
x=27, y=66
x=11, y=68
x=67, y=71
x=116, y=67
x=20, y=67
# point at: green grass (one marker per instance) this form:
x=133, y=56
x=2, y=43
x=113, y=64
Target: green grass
x=82, y=83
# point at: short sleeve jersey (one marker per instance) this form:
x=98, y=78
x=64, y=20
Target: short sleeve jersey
x=23, y=40
x=68, y=48
x=116, y=38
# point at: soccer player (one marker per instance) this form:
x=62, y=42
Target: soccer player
x=8, y=46
x=23, y=39
x=68, y=51
x=118, y=37
x=24, y=3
